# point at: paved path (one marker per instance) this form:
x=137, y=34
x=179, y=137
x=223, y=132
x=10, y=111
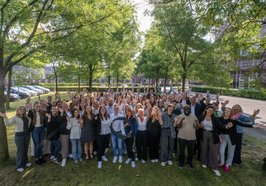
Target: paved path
x=248, y=106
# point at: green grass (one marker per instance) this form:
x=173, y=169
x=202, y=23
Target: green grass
x=86, y=172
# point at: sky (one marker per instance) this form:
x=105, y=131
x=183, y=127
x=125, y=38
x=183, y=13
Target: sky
x=144, y=20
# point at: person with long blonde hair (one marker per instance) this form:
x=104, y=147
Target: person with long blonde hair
x=154, y=131
x=22, y=136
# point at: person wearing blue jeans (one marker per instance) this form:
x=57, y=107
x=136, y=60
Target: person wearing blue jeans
x=76, y=149
x=38, y=137
x=118, y=131
x=117, y=148
x=75, y=124
x=55, y=148
x=36, y=125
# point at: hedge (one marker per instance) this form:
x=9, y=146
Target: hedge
x=254, y=94
x=94, y=88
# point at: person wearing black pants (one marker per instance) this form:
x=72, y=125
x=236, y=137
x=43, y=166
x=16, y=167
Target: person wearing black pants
x=103, y=131
x=154, y=132
x=141, y=138
x=187, y=124
x=130, y=125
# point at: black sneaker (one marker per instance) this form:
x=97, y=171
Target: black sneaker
x=38, y=161
x=190, y=165
x=42, y=160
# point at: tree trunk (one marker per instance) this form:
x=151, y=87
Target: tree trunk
x=117, y=79
x=9, y=89
x=90, y=78
x=109, y=81
x=79, y=83
x=4, y=155
x=56, y=79
x=184, y=77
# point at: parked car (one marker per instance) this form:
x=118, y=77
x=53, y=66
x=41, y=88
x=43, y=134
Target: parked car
x=13, y=97
x=32, y=93
x=21, y=93
x=34, y=89
x=46, y=90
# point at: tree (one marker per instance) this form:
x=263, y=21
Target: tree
x=33, y=27
x=183, y=34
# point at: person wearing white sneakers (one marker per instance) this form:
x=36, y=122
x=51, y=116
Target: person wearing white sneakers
x=22, y=136
x=142, y=135
x=74, y=124
x=210, y=139
x=130, y=126
x=103, y=131
x=118, y=131
x=154, y=129
x=168, y=135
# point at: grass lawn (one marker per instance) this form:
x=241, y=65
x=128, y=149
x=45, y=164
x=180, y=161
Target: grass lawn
x=86, y=172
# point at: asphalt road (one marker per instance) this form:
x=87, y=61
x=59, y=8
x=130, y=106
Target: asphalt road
x=248, y=106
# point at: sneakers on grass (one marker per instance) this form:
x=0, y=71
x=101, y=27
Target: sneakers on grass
x=217, y=173
x=114, y=159
x=128, y=161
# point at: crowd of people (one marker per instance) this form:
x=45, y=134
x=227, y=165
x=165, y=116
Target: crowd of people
x=151, y=126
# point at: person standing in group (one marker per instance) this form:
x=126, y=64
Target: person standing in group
x=130, y=126
x=197, y=110
x=87, y=132
x=37, y=128
x=53, y=125
x=186, y=124
x=141, y=138
x=64, y=134
x=210, y=139
x=74, y=124
x=154, y=131
x=103, y=131
x=229, y=138
x=240, y=116
x=117, y=141
x=22, y=136
x=168, y=135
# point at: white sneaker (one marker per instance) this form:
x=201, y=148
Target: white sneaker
x=20, y=169
x=70, y=156
x=104, y=158
x=80, y=159
x=156, y=160
x=143, y=161
x=63, y=164
x=28, y=164
x=217, y=173
x=163, y=164
x=170, y=162
x=204, y=166
x=133, y=165
x=100, y=164
x=153, y=161
x=52, y=158
x=128, y=161
x=120, y=159
x=114, y=159
x=136, y=159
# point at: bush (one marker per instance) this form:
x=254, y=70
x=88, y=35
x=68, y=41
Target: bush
x=254, y=94
x=94, y=88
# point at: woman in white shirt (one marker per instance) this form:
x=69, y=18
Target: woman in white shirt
x=103, y=131
x=141, y=138
x=74, y=124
